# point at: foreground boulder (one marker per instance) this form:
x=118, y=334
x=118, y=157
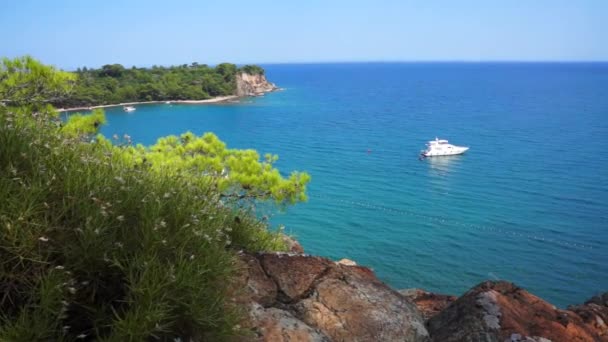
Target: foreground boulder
x=501, y=311
x=315, y=299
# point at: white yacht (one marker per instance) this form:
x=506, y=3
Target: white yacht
x=128, y=108
x=440, y=147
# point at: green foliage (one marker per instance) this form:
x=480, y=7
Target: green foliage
x=25, y=82
x=237, y=174
x=124, y=243
x=252, y=70
x=113, y=70
x=82, y=125
x=115, y=84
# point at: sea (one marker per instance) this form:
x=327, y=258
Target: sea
x=528, y=203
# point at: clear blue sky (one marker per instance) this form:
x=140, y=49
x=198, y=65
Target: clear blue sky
x=85, y=32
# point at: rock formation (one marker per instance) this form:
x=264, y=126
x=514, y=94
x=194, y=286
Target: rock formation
x=501, y=311
x=253, y=84
x=297, y=297
x=294, y=297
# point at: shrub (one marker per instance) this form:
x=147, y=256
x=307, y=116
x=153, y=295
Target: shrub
x=95, y=246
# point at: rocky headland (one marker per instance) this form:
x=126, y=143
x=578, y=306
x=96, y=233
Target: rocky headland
x=253, y=84
x=298, y=297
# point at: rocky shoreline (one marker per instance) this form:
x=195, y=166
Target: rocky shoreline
x=297, y=297
x=218, y=99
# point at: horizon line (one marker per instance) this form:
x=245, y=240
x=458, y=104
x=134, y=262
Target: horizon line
x=433, y=61
x=446, y=61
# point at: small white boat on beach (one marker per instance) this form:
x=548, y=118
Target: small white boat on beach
x=128, y=108
x=167, y=102
x=440, y=147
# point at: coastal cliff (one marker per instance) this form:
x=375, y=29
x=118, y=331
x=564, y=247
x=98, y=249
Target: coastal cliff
x=253, y=84
x=297, y=297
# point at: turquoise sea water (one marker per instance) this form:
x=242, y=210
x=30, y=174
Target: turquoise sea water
x=527, y=203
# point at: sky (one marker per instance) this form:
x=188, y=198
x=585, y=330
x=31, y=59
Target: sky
x=70, y=34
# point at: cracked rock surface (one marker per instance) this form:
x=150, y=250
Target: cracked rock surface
x=315, y=299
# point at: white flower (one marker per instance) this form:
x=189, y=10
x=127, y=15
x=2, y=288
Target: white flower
x=59, y=267
x=43, y=239
x=120, y=218
x=81, y=336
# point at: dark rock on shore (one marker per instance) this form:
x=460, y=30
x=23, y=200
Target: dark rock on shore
x=297, y=297
x=500, y=311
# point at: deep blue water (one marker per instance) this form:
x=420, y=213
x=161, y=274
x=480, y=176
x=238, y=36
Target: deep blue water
x=527, y=203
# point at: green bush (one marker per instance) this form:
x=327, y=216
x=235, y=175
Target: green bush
x=98, y=245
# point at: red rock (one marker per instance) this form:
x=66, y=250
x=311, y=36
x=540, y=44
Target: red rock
x=429, y=304
x=293, y=274
x=500, y=311
x=348, y=305
x=594, y=314
x=257, y=286
x=319, y=300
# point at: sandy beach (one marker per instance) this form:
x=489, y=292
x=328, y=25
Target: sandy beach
x=212, y=100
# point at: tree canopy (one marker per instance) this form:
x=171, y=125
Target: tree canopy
x=25, y=81
x=239, y=175
x=114, y=83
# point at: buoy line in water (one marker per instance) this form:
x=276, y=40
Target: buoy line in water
x=539, y=238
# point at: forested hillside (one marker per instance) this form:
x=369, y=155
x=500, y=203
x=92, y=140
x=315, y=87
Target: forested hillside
x=114, y=83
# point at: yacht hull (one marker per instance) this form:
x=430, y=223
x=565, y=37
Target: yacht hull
x=452, y=152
